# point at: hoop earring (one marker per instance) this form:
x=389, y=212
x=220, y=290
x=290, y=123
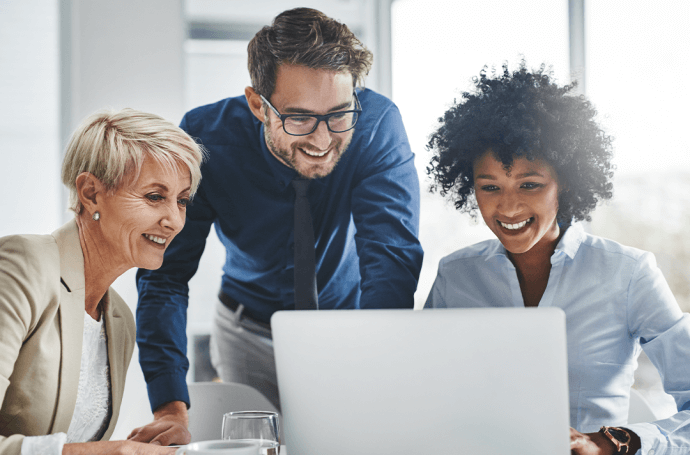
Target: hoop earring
x=96, y=216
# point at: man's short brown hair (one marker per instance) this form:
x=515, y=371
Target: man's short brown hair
x=306, y=37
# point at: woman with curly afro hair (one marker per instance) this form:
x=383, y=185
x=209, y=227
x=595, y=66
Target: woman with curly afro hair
x=529, y=155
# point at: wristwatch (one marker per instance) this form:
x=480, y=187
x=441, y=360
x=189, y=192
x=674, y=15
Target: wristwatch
x=619, y=437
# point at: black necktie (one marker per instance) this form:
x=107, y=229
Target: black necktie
x=306, y=296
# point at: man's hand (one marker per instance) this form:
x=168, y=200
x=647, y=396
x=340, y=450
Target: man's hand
x=169, y=426
x=598, y=444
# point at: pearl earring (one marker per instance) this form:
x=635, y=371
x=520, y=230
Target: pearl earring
x=96, y=216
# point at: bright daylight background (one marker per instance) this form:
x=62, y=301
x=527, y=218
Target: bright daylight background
x=637, y=66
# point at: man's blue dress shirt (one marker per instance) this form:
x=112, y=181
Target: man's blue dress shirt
x=616, y=301
x=365, y=216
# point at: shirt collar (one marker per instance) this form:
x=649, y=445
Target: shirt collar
x=496, y=249
x=571, y=240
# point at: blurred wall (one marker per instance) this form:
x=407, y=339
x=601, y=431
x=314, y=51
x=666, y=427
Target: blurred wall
x=29, y=128
x=121, y=54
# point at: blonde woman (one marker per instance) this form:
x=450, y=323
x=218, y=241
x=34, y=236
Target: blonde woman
x=66, y=337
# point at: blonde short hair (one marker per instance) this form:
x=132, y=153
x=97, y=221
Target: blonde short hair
x=112, y=145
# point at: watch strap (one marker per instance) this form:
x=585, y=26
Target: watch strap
x=619, y=437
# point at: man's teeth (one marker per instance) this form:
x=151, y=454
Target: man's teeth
x=153, y=238
x=515, y=226
x=310, y=153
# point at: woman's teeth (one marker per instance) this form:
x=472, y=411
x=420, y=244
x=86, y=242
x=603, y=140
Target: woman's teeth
x=515, y=226
x=153, y=238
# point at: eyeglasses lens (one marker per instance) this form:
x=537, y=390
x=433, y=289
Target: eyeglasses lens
x=338, y=123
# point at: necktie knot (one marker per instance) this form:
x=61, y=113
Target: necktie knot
x=300, y=186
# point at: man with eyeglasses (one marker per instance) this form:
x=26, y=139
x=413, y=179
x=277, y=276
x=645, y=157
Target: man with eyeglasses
x=305, y=157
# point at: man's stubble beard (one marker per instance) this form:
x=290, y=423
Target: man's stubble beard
x=288, y=156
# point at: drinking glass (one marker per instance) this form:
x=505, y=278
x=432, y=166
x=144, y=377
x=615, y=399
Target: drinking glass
x=254, y=426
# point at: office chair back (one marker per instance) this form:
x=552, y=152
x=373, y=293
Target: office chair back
x=210, y=400
x=640, y=410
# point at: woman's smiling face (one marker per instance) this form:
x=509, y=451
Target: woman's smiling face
x=139, y=220
x=520, y=204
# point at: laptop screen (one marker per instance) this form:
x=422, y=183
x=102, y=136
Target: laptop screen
x=475, y=381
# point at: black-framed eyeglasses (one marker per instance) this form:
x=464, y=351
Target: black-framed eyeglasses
x=305, y=124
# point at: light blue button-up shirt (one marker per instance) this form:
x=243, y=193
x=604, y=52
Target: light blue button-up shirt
x=616, y=302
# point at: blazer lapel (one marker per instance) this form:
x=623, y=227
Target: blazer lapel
x=115, y=329
x=71, y=322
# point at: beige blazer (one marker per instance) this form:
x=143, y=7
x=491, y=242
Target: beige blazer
x=41, y=328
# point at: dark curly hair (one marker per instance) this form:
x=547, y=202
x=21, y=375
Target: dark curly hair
x=307, y=37
x=523, y=114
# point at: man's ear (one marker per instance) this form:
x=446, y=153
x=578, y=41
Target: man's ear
x=255, y=103
x=88, y=190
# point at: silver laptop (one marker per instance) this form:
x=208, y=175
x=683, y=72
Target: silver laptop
x=443, y=381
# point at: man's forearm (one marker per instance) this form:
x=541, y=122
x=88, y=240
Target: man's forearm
x=170, y=426
x=173, y=410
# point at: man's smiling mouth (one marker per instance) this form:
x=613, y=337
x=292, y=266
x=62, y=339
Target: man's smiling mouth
x=314, y=153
